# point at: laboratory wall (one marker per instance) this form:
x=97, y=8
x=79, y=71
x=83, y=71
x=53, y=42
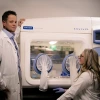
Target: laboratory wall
x=51, y=8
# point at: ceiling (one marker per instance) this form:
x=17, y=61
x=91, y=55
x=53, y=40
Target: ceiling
x=51, y=8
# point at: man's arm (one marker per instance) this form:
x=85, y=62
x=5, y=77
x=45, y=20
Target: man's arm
x=1, y=43
x=2, y=83
x=17, y=32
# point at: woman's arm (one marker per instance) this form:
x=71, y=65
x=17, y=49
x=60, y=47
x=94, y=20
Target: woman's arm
x=82, y=83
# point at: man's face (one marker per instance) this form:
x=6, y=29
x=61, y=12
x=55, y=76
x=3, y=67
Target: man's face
x=11, y=23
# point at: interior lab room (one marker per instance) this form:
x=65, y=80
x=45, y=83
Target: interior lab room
x=53, y=35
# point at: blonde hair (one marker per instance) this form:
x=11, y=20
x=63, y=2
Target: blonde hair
x=91, y=63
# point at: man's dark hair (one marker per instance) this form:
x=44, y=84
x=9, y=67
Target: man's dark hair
x=7, y=13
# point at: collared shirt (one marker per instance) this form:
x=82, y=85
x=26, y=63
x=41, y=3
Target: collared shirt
x=11, y=37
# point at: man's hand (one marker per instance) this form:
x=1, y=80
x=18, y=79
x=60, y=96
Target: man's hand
x=20, y=22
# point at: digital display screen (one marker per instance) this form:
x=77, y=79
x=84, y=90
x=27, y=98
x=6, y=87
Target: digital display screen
x=97, y=35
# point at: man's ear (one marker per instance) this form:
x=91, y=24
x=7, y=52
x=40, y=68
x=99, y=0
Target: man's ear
x=3, y=22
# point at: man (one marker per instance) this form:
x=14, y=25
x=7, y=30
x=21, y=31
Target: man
x=10, y=72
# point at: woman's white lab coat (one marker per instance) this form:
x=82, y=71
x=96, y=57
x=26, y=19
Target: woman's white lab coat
x=9, y=67
x=83, y=89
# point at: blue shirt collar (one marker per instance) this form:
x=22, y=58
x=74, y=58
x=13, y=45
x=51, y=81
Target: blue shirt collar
x=9, y=34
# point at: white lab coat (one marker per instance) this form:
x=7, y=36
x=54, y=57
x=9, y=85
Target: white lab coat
x=9, y=67
x=82, y=89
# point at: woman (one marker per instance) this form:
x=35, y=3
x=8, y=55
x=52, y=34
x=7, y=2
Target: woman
x=87, y=84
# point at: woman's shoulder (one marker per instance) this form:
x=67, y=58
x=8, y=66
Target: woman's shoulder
x=87, y=76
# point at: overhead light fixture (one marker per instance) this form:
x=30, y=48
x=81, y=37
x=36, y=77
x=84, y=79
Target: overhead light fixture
x=52, y=42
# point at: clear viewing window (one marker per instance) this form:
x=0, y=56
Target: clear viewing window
x=56, y=52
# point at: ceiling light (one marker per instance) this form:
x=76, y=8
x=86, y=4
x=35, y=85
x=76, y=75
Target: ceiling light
x=52, y=42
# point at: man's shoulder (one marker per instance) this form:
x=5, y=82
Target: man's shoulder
x=1, y=34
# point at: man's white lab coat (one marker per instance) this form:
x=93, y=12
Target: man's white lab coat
x=9, y=67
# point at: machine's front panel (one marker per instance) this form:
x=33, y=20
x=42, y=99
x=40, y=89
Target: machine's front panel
x=33, y=44
x=50, y=47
